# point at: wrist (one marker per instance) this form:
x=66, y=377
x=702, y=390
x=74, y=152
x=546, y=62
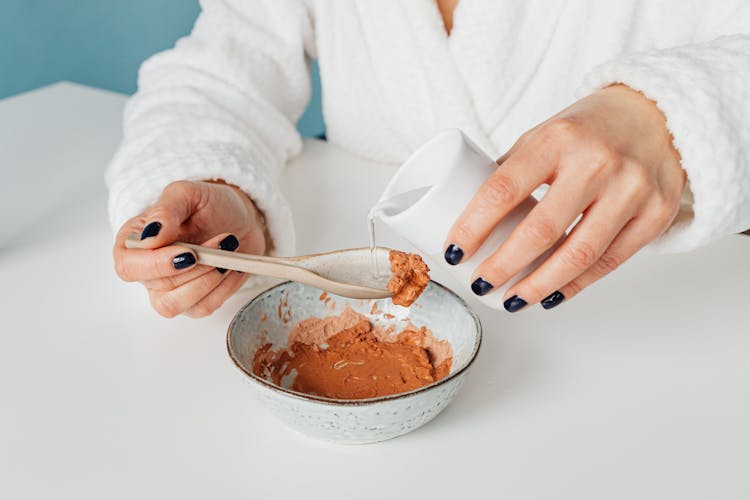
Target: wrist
x=648, y=117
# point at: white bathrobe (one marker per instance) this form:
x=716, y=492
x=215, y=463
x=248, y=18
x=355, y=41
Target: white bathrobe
x=223, y=103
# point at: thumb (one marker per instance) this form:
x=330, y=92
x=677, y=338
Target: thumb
x=163, y=219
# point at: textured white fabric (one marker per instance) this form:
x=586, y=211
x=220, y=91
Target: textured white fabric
x=703, y=91
x=223, y=103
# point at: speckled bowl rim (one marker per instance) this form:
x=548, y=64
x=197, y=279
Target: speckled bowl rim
x=353, y=402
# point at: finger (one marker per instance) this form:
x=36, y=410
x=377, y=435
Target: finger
x=514, y=149
x=171, y=282
x=157, y=227
x=583, y=247
x=535, y=234
x=635, y=235
x=133, y=226
x=512, y=182
x=142, y=265
x=218, y=296
x=224, y=241
x=163, y=220
x=170, y=304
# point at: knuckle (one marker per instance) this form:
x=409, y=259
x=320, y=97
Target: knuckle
x=500, y=189
x=667, y=210
x=603, y=154
x=122, y=269
x=494, y=269
x=660, y=213
x=573, y=288
x=200, y=311
x=526, y=137
x=591, y=172
x=134, y=224
x=532, y=292
x=662, y=223
x=564, y=129
x=632, y=196
x=601, y=160
x=464, y=234
x=208, y=284
x=164, y=284
x=160, y=211
x=178, y=187
x=165, y=305
x=164, y=267
x=580, y=254
x=633, y=190
x=606, y=264
x=208, y=305
x=168, y=283
x=542, y=232
x=638, y=178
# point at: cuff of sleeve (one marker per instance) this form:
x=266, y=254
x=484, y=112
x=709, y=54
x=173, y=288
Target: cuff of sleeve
x=200, y=162
x=702, y=112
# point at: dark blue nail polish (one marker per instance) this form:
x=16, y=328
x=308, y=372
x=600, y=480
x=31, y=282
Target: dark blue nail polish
x=553, y=300
x=183, y=260
x=453, y=254
x=514, y=304
x=230, y=244
x=151, y=230
x=481, y=286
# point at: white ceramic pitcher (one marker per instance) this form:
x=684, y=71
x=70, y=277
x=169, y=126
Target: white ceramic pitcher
x=428, y=193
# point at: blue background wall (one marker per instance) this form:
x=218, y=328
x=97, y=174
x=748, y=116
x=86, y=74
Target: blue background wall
x=97, y=42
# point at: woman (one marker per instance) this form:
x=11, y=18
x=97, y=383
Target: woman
x=656, y=150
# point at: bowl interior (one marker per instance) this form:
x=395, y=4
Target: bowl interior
x=270, y=317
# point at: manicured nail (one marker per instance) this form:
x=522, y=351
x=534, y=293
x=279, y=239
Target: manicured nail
x=151, y=230
x=514, y=304
x=553, y=300
x=183, y=260
x=481, y=286
x=230, y=244
x=453, y=254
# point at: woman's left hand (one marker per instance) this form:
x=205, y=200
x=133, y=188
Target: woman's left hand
x=609, y=157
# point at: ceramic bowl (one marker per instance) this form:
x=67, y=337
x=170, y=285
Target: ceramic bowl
x=270, y=317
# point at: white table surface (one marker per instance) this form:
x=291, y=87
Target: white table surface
x=639, y=388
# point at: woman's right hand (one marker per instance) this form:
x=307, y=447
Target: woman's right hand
x=212, y=214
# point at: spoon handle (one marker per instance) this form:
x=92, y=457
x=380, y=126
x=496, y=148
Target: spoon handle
x=270, y=266
x=254, y=264
x=247, y=263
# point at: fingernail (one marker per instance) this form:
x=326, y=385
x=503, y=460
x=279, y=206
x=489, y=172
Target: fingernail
x=553, y=300
x=453, y=254
x=481, y=286
x=230, y=244
x=183, y=260
x=514, y=304
x=151, y=230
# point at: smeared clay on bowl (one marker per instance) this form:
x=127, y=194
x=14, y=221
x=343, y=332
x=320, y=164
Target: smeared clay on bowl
x=345, y=357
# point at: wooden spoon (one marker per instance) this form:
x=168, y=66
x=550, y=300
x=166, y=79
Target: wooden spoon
x=348, y=273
